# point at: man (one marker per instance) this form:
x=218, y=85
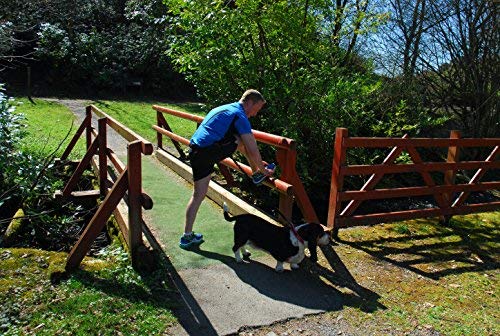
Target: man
x=224, y=129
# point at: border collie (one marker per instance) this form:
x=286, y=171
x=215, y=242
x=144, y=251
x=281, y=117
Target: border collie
x=281, y=242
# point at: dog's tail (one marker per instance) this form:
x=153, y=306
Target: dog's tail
x=226, y=213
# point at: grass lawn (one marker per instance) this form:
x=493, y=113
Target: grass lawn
x=139, y=116
x=50, y=126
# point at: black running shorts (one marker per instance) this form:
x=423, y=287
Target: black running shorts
x=203, y=159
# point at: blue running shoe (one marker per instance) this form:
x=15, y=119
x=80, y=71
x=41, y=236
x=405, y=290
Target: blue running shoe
x=258, y=177
x=188, y=241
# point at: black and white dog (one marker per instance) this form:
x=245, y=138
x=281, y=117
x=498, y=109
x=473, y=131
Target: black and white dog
x=281, y=242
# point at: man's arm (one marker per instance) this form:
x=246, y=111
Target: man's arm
x=252, y=153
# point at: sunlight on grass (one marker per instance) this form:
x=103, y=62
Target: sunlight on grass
x=49, y=125
x=440, y=277
x=139, y=116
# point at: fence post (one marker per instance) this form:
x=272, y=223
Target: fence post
x=134, y=199
x=88, y=133
x=159, y=136
x=103, y=161
x=337, y=180
x=285, y=162
x=449, y=175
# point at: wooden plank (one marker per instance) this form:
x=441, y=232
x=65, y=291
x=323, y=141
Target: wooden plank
x=420, y=142
x=74, y=140
x=125, y=132
x=171, y=135
x=449, y=175
x=103, y=158
x=215, y=192
x=428, y=179
x=80, y=169
x=477, y=176
x=134, y=199
x=373, y=180
x=416, y=168
x=267, y=138
x=337, y=180
x=412, y=214
x=415, y=191
x=271, y=182
x=97, y=223
x=162, y=123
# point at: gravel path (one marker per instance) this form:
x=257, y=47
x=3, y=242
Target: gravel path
x=77, y=106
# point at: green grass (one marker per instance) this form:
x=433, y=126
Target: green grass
x=139, y=116
x=105, y=297
x=432, y=276
x=49, y=126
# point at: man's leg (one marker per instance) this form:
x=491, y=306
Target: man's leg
x=199, y=192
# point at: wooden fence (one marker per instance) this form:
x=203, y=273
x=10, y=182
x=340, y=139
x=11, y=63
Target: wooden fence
x=288, y=184
x=127, y=184
x=449, y=197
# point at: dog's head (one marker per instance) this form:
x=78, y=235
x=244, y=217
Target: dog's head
x=314, y=234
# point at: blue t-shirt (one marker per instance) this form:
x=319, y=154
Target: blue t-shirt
x=217, y=123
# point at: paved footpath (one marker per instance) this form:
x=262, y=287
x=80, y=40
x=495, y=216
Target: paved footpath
x=220, y=296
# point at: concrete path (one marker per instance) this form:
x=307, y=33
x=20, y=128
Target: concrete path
x=220, y=296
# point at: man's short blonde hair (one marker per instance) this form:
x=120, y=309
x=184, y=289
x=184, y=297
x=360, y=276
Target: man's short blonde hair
x=253, y=95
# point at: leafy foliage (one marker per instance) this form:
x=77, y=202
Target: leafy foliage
x=99, y=45
x=19, y=171
x=302, y=56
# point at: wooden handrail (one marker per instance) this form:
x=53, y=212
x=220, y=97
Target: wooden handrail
x=273, y=182
x=267, y=138
x=416, y=167
x=419, y=142
x=128, y=134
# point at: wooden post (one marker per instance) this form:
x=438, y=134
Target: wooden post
x=103, y=160
x=88, y=134
x=337, y=180
x=159, y=136
x=453, y=156
x=134, y=200
x=284, y=161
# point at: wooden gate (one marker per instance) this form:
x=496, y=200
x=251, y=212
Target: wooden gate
x=449, y=197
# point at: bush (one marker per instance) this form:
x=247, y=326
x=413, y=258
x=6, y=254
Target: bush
x=22, y=176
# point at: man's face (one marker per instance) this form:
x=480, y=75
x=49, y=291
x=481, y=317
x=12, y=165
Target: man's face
x=254, y=108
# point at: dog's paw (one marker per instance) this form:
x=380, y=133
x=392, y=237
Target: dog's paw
x=294, y=266
x=279, y=267
x=246, y=255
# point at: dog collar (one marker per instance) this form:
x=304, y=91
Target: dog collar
x=296, y=234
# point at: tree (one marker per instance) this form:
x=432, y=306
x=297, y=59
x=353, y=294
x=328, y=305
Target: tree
x=463, y=64
x=443, y=57
x=301, y=54
x=99, y=45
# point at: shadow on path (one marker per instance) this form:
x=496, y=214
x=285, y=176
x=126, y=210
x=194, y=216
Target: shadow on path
x=303, y=287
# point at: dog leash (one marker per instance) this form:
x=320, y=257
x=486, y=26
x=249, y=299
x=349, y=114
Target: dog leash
x=292, y=227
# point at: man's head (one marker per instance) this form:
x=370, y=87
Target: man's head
x=252, y=101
